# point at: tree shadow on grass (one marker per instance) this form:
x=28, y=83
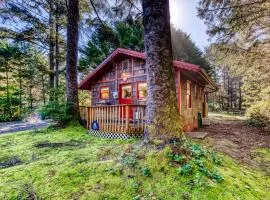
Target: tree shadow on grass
x=10, y=162
x=47, y=144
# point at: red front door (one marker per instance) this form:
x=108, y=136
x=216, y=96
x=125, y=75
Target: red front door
x=125, y=97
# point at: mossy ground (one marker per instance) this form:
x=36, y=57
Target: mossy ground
x=86, y=167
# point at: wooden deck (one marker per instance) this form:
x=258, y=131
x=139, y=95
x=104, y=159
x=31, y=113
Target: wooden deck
x=128, y=119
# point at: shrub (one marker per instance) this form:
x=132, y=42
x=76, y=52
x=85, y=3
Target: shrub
x=197, y=151
x=192, y=159
x=146, y=171
x=259, y=114
x=27, y=191
x=129, y=159
x=186, y=169
x=115, y=170
x=56, y=111
x=215, y=158
x=4, y=118
x=214, y=107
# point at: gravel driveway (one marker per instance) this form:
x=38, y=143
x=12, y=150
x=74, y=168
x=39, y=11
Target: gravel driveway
x=10, y=127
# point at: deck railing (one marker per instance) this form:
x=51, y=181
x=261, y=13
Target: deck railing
x=115, y=118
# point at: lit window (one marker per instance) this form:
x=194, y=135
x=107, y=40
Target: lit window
x=104, y=93
x=188, y=94
x=142, y=90
x=196, y=91
x=126, y=91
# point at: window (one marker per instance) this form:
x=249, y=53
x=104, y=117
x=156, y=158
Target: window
x=142, y=90
x=124, y=71
x=125, y=66
x=139, y=67
x=126, y=91
x=104, y=93
x=188, y=94
x=196, y=91
x=201, y=93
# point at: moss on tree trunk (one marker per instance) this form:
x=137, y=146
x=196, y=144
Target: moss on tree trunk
x=162, y=118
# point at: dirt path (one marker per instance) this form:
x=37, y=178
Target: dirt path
x=228, y=134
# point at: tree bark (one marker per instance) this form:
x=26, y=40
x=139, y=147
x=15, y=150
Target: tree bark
x=43, y=89
x=57, y=48
x=30, y=97
x=228, y=93
x=51, y=52
x=20, y=86
x=71, y=58
x=240, y=95
x=7, y=92
x=162, y=116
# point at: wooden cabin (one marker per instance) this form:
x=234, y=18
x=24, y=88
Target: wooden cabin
x=119, y=92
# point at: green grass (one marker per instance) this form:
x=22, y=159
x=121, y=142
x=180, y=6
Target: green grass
x=86, y=167
x=263, y=155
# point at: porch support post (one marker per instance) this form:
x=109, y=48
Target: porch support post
x=127, y=118
x=179, y=90
x=88, y=118
x=205, y=113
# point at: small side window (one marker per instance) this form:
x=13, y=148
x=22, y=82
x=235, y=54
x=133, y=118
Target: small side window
x=125, y=66
x=201, y=93
x=104, y=93
x=196, y=91
x=188, y=94
x=142, y=90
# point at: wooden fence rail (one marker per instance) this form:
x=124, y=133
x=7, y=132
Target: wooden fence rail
x=115, y=118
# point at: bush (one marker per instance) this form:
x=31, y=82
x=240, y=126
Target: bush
x=129, y=159
x=146, y=171
x=194, y=161
x=56, y=111
x=214, y=107
x=259, y=114
x=27, y=191
x=186, y=169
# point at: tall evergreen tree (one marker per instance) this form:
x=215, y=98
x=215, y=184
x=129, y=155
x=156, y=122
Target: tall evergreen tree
x=71, y=58
x=22, y=71
x=105, y=39
x=40, y=23
x=185, y=49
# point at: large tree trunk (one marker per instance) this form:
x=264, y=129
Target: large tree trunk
x=240, y=95
x=71, y=58
x=43, y=89
x=31, y=97
x=51, y=52
x=228, y=93
x=162, y=117
x=7, y=92
x=56, y=57
x=57, y=48
x=20, y=86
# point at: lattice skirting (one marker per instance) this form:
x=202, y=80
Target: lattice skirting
x=111, y=135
